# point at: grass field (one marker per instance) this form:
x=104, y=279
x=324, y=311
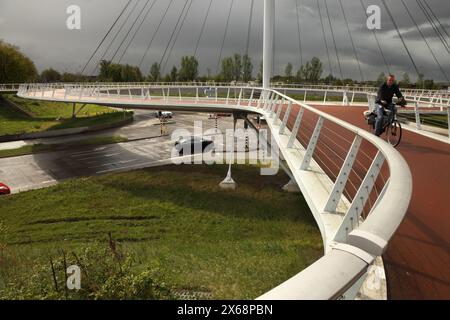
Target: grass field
x=38, y=148
x=51, y=116
x=436, y=120
x=174, y=219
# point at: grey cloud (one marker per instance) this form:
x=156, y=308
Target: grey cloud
x=38, y=27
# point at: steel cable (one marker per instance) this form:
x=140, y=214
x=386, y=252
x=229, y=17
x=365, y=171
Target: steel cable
x=107, y=34
x=155, y=33
x=137, y=30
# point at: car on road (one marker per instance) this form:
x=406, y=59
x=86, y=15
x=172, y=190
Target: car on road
x=260, y=118
x=193, y=144
x=164, y=114
x=4, y=189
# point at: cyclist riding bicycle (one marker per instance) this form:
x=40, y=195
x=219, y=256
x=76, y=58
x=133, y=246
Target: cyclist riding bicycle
x=384, y=101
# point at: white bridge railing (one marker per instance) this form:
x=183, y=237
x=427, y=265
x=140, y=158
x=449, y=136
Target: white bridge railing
x=357, y=186
x=10, y=87
x=427, y=101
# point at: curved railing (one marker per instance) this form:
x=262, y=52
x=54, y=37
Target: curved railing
x=357, y=186
x=10, y=87
x=426, y=95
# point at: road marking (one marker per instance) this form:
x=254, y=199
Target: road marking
x=112, y=163
x=99, y=156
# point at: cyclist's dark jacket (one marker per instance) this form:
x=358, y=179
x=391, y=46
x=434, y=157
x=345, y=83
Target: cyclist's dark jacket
x=386, y=93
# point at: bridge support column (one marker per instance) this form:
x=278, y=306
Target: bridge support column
x=291, y=187
x=73, y=110
x=228, y=182
x=448, y=121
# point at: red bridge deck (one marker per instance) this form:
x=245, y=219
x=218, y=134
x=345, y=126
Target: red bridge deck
x=417, y=261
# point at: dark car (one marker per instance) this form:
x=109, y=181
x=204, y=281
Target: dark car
x=192, y=143
x=4, y=189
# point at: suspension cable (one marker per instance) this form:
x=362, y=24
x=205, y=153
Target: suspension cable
x=106, y=36
x=202, y=29
x=377, y=41
x=155, y=33
x=137, y=30
x=334, y=40
x=173, y=32
x=299, y=33
x=249, y=27
x=115, y=37
x=178, y=33
x=400, y=36
x=433, y=25
x=324, y=37
x=425, y=39
x=224, y=36
x=129, y=30
x=437, y=19
x=351, y=39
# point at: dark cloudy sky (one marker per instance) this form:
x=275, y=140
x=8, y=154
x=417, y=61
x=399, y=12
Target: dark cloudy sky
x=38, y=27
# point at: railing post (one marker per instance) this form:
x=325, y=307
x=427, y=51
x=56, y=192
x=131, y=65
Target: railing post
x=273, y=105
x=448, y=121
x=312, y=144
x=343, y=176
x=251, y=98
x=325, y=96
x=285, y=118
x=417, y=113
x=228, y=96
x=260, y=99
x=280, y=107
x=240, y=97
x=351, y=218
x=296, y=127
x=196, y=95
x=179, y=94
x=267, y=97
x=306, y=93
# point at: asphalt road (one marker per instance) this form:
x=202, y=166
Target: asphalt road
x=145, y=148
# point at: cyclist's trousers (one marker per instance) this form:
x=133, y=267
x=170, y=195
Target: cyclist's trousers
x=380, y=116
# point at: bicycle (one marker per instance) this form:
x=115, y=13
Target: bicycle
x=391, y=126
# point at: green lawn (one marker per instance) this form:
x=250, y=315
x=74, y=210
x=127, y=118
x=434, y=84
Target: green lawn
x=51, y=116
x=436, y=120
x=38, y=148
x=175, y=220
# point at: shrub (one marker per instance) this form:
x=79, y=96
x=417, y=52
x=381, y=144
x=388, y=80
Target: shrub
x=105, y=274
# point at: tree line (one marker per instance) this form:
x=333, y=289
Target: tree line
x=17, y=67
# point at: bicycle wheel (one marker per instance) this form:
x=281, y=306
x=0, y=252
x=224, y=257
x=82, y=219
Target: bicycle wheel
x=394, y=133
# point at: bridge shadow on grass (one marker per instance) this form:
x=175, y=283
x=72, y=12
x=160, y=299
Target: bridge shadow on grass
x=197, y=187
